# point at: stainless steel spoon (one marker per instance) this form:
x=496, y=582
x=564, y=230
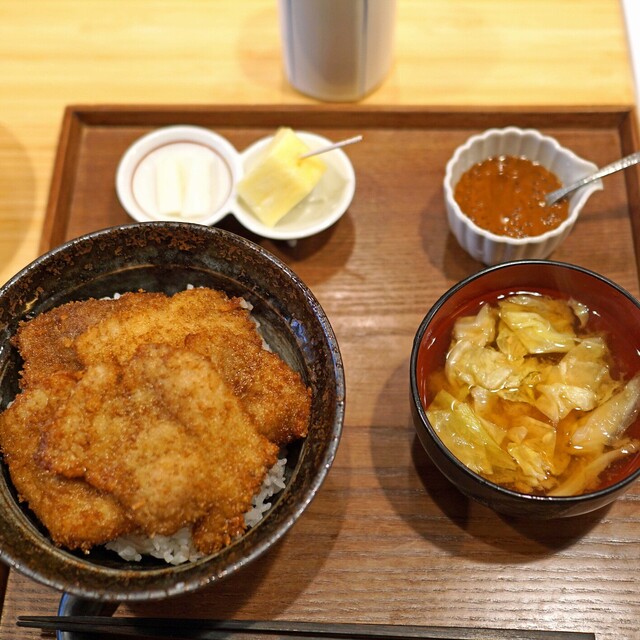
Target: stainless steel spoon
x=618, y=165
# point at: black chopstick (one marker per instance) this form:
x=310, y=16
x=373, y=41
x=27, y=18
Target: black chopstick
x=204, y=629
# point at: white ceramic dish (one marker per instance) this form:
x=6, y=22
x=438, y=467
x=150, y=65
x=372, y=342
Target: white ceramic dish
x=136, y=182
x=136, y=175
x=320, y=209
x=488, y=247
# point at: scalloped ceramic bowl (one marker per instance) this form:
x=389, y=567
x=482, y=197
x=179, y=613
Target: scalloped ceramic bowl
x=488, y=247
x=167, y=257
x=612, y=303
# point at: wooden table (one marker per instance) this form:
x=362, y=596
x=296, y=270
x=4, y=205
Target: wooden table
x=387, y=540
x=448, y=52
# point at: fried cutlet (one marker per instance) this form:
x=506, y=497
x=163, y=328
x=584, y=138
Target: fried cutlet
x=76, y=514
x=220, y=328
x=47, y=342
x=146, y=413
x=165, y=436
x=271, y=392
x=165, y=321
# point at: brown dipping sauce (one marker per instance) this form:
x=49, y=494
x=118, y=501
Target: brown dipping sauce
x=505, y=195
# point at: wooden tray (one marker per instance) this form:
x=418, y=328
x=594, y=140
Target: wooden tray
x=388, y=539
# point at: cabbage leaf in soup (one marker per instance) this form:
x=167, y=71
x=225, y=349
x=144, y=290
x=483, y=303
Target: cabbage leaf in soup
x=528, y=399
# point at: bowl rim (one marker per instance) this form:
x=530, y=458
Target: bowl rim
x=581, y=195
x=426, y=424
x=190, y=575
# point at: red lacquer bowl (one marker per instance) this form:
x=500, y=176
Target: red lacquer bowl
x=618, y=310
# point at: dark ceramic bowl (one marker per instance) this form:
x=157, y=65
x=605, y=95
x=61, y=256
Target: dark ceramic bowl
x=618, y=308
x=167, y=257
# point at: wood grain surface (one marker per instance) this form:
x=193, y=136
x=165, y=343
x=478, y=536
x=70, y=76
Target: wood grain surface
x=447, y=52
x=388, y=539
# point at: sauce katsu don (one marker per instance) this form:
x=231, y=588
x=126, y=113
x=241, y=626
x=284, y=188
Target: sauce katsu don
x=147, y=413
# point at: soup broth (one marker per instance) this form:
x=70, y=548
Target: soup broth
x=521, y=392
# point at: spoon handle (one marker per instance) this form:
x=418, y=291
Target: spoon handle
x=618, y=165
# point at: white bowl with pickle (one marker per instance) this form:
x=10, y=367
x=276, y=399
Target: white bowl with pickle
x=305, y=196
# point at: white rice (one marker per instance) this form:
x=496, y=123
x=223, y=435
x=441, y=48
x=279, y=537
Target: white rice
x=178, y=547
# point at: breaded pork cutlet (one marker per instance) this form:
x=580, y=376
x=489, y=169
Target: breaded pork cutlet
x=76, y=514
x=165, y=321
x=164, y=435
x=221, y=329
x=47, y=342
x=271, y=392
x=148, y=413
